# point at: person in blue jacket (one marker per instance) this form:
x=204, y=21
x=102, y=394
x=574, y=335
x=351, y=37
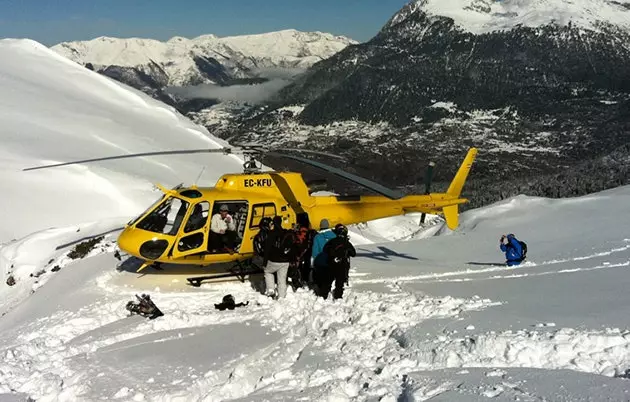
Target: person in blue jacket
x=513, y=248
x=318, y=257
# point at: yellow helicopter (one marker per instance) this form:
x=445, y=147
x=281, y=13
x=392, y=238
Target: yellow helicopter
x=178, y=228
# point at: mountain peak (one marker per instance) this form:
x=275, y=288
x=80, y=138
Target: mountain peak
x=483, y=16
x=183, y=61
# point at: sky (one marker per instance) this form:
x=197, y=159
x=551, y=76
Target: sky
x=52, y=21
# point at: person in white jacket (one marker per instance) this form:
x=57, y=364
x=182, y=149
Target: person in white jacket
x=224, y=229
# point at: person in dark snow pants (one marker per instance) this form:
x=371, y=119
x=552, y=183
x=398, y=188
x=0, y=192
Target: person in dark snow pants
x=338, y=251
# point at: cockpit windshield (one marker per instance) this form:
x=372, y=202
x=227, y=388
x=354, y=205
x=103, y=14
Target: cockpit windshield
x=134, y=220
x=166, y=218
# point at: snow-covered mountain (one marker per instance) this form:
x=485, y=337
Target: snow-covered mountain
x=435, y=317
x=54, y=110
x=204, y=59
x=486, y=16
x=538, y=85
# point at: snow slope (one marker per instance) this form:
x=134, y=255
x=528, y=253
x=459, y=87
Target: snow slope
x=282, y=49
x=53, y=110
x=421, y=319
x=431, y=317
x=482, y=16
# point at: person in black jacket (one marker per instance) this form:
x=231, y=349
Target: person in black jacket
x=339, y=251
x=275, y=260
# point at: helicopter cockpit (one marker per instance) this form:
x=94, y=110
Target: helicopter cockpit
x=190, y=223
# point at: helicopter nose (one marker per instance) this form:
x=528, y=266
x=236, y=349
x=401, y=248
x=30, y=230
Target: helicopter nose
x=142, y=244
x=126, y=242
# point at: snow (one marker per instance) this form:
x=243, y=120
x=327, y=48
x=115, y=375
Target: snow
x=47, y=118
x=283, y=49
x=429, y=313
x=483, y=16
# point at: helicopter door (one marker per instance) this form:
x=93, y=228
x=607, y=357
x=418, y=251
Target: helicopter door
x=193, y=237
x=237, y=210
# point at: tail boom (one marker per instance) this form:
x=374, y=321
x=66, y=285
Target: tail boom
x=367, y=208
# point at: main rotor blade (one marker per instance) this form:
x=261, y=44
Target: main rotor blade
x=263, y=149
x=187, y=151
x=308, y=151
x=389, y=193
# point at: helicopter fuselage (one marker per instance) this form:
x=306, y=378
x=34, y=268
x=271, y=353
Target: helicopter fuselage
x=177, y=228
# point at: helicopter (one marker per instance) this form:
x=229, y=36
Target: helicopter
x=176, y=229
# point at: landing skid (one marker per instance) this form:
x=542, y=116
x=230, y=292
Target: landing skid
x=240, y=270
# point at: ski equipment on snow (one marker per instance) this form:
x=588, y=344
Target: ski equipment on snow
x=144, y=307
x=229, y=303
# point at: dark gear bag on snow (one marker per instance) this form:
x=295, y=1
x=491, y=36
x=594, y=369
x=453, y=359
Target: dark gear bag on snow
x=229, y=303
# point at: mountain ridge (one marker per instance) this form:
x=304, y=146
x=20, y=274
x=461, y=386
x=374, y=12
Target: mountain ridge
x=179, y=58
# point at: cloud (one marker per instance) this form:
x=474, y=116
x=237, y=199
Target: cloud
x=255, y=93
x=277, y=78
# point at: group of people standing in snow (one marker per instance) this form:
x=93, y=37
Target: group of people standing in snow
x=308, y=257
x=320, y=259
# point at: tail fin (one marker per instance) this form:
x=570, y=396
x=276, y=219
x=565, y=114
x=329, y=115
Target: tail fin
x=455, y=189
x=451, y=212
x=451, y=216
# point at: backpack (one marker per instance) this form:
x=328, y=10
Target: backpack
x=301, y=235
x=259, y=242
x=523, y=248
x=338, y=253
x=285, y=242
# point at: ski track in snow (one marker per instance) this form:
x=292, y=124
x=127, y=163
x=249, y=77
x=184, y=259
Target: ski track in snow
x=361, y=340
x=438, y=276
x=356, y=348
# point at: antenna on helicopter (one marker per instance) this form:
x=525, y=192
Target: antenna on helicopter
x=200, y=173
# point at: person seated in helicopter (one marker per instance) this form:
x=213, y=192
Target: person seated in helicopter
x=223, y=230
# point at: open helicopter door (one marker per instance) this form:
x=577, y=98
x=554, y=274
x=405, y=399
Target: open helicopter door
x=192, y=237
x=237, y=212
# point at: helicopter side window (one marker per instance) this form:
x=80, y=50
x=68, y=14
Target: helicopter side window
x=198, y=217
x=260, y=211
x=166, y=218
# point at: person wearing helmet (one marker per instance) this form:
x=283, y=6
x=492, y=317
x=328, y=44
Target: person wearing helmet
x=261, y=237
x=319, y=259
x=514, y=249
x=338, y=251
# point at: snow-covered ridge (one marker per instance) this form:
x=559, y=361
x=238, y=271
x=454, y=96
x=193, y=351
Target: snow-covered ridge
x=54, y=110
x=482, y=16
x=176, y=57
